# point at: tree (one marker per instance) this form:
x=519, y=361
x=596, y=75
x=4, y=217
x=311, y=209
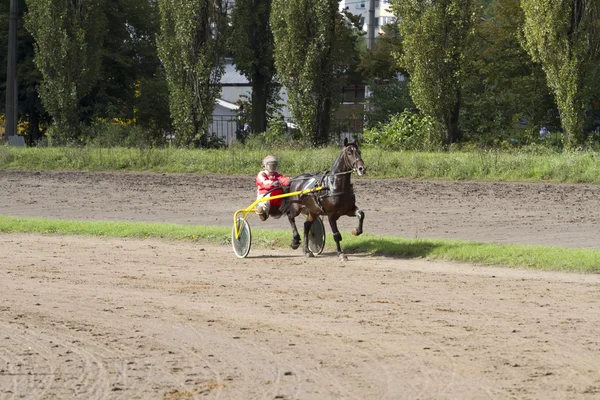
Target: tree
x=152, y=106
x=29, y=77
x=314, y=46
x=380, y=64
x=133, y=86
x=434, y=36
x=503, y=87
x=68, y=41
x=191, y=46
x=128, y=55
x=151, y=89
x=563, y=36
x=387, y=81
x=251, y=44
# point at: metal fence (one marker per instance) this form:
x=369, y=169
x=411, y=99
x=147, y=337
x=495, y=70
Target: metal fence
x=227, y=127
x=348, y=128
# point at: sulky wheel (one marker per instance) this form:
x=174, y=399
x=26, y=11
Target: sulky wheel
x=316, y=236
x=241, y=245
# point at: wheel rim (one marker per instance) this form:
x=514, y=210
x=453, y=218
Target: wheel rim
x=241, y=245
x=316, y=237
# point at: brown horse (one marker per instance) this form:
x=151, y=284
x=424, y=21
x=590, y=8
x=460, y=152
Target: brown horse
x=336, y=198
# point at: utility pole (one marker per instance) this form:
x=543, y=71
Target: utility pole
x=11, y=72
x=371, y=26
x=370, y=44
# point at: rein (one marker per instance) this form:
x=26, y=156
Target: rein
x=326, y=174
x=341, y=173
x=319, y=180
x=329, y=174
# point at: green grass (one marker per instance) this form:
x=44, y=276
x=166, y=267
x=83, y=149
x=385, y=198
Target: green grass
x=546, y=166
x=517, y=256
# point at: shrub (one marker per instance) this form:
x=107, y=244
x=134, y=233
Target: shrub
x=116, y=133
x=277, y=136
x=406, y=131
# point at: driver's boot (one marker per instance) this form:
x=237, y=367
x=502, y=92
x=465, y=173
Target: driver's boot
x=261, y=212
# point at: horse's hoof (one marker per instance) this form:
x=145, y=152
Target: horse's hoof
x=295, y=245
x=343, y=257
x=309, y=254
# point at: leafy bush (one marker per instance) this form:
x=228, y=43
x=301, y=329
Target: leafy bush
x=387, y=99
x=117, y=133
x=212, y=141
x=277, y=127
x=537, y=149
x=406, y=131
x=277, y=136
x=107, y=134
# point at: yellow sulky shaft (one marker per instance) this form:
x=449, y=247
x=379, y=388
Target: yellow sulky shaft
x=252, y=207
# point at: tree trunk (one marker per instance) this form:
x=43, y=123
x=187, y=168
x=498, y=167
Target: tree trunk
x=321, y=134
x=259, y=103
x=34, y=129
x=454, y=132
x=572, y=123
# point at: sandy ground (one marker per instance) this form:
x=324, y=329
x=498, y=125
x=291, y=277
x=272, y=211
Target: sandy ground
x=97, y=318
x=562, y=215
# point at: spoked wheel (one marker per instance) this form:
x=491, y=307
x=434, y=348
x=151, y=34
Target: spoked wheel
x=241, y=244
x=316, y=236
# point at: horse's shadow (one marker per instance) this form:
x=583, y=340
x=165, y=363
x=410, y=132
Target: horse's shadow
x=369, y=247
x=391, y=248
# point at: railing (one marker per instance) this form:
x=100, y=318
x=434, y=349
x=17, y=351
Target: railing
x=227, y=127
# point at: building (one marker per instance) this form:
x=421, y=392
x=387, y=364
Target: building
x=383, y=12
x=236, y=88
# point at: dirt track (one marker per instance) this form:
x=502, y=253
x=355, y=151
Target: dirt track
x=562, y=215
x=93, y=318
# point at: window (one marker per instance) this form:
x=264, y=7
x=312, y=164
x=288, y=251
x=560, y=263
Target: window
x=388, y=20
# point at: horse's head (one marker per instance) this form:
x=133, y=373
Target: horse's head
x=351, y=155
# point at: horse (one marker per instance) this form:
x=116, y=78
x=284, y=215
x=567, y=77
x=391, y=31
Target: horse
x=334, y=200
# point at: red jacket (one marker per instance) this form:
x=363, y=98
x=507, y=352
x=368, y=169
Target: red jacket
x=264, y=181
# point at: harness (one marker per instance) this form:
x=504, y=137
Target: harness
x=327, y=174
x=323, y=194
x=326, y=192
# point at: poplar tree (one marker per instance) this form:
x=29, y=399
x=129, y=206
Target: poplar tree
x=314, y=46
x=503, y=87
x=435, y=35
x=68, y=40
x=30, y=107
x=191, y=46
x=563, y=36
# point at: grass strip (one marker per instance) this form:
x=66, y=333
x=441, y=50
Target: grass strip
x=547, y=258
x=576, y=167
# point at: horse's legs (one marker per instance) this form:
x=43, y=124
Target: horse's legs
x=361, y=216
x=337, y=236
x=307, y=224
x=295, y=235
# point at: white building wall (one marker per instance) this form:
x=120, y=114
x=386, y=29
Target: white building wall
x=383, y=12
x=232, y=94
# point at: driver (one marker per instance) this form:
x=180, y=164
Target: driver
x=268, y=178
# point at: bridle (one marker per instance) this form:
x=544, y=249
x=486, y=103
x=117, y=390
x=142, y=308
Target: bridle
x=329, y=174
x=352, y=164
